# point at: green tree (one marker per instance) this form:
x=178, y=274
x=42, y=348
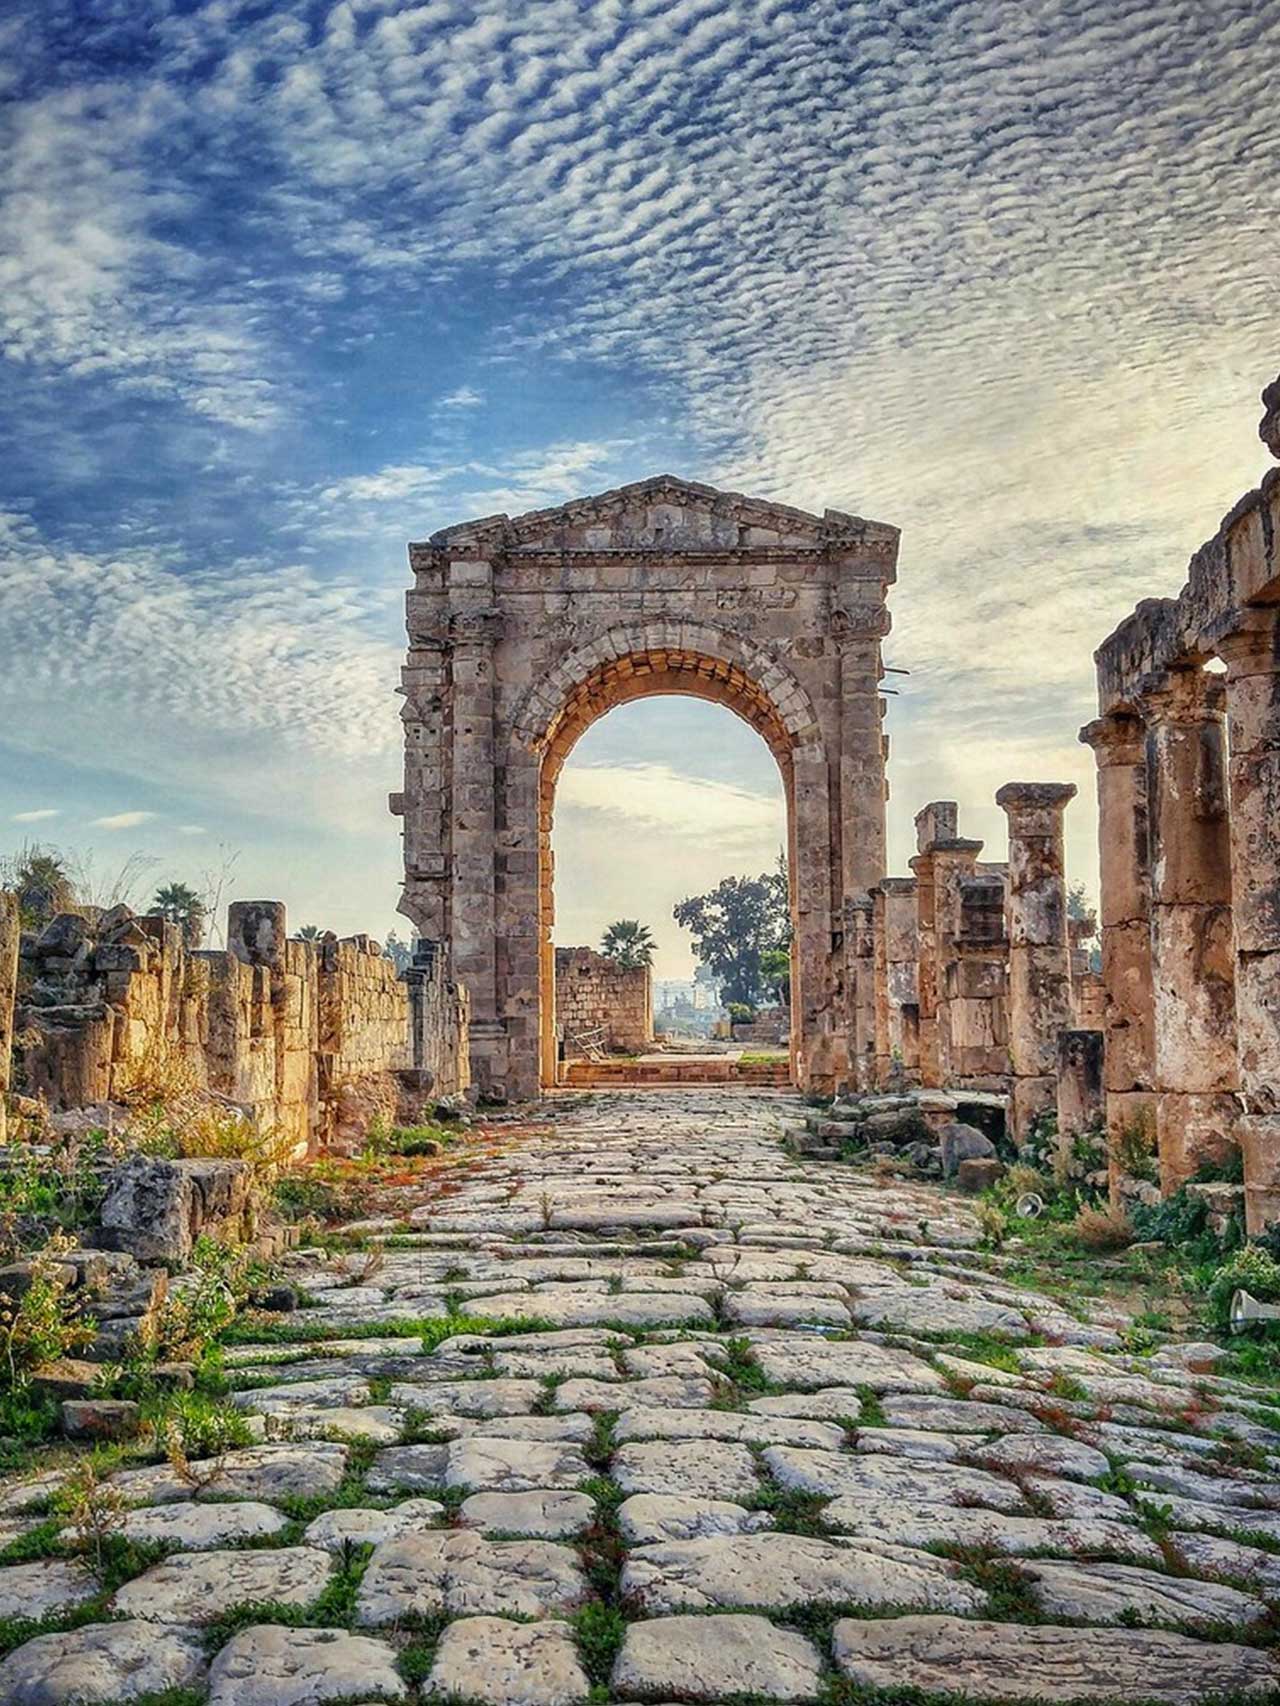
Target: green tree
x=775, y=968
x=735, y=925
x=181, y=905
x=310, y=933
x=42, y=882
x=628, y=943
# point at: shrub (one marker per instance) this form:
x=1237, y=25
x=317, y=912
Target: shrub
x=1102, y=1229
x=196, y=1125
x=202, y=1303
x=45, y=1321
x=1249, y=1269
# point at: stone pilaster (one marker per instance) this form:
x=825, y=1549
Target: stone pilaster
x=901, y=970
x=473, y=833
x=1039, y=951
x=859, y=926
x=1081, y=1100
x=1252, y=656
x=10, y=932
x=1118, y=742
x=1192, y=950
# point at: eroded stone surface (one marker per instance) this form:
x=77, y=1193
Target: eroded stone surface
x=508, y=1664
x=1002, y=1661
x=772, y=1571
x=45, y=1589
x=198, y=1587
x=706, y=1658
x=268, y=1665
x=541, y=1515
x=355, y=1527
x=461, y=1573
x=101, y=1665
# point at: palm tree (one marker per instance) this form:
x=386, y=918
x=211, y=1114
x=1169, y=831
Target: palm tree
x=181, y=905
x=310, y=933
x=40, y=879
x=629, y=944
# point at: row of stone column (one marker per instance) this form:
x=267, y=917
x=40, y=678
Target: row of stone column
x=972, y=962
x=1189, y=804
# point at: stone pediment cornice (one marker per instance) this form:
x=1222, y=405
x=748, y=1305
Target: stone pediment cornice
x=667, y=516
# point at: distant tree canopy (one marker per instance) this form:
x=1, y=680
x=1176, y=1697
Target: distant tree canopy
x=628, y=943
x=735, y=926
x=310, y=933
x=181, y=905
x=398, y=952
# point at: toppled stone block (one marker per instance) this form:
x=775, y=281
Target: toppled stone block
x=65, y=1378
x=960, y=1142
x=156, y=1208
x=100, y=1418
x=978, y=1173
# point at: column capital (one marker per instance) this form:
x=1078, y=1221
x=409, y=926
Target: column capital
x=1035, y=796
x=897, y=885
x=1252, y=646
x=1184, y=694
x=1116, y=739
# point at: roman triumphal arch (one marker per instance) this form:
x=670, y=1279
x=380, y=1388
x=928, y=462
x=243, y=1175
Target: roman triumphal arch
x=524, y=630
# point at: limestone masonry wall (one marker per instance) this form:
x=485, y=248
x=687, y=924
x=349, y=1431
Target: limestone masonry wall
x=311, y=1038
x=594, y=993
x=1187, y=742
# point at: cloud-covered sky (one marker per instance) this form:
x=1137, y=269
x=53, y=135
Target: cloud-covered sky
x=284, y=285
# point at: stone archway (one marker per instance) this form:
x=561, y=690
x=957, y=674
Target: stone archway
x=522, y=632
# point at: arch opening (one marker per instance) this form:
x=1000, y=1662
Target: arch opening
x=640, y=675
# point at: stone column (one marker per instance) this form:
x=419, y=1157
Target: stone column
x=953, y=860
x=10, y=931
x=857, y=628
x=937, y=821
x=1039, y=952
x=1192, y=951
x=1119, y=747
x=1252, y=656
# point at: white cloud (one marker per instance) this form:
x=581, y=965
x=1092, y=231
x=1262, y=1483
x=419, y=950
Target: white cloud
x=691, y=807
x=463, y=398
x=40, y=816
x=192, y=829
x=121, y=820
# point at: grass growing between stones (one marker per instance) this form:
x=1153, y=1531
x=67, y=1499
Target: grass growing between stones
x=333, y=1608
x=432, y=1330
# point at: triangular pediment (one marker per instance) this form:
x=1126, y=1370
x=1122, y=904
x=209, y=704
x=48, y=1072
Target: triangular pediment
x=665, y=514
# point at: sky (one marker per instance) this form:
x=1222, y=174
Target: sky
x=283, y=286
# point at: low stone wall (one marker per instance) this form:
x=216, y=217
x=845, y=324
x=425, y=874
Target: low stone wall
x=593, y=993
x=313, y=1039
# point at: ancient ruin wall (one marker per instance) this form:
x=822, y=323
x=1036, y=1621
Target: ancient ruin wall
x=313, y=1039
x=596, y=995
x=1191, y=901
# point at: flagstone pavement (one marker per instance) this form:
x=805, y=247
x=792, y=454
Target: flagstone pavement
x=724, y=1432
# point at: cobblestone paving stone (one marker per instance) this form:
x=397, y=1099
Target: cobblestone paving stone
x=713, y=1426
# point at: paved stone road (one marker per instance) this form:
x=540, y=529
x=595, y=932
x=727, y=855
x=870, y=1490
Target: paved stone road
x=739, y=1454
